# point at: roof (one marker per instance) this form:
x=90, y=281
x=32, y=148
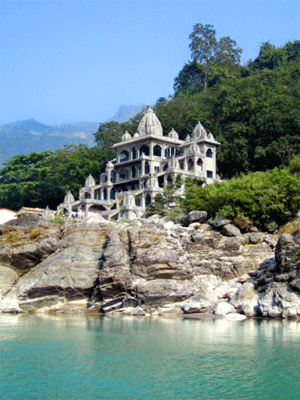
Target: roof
x=6, y=209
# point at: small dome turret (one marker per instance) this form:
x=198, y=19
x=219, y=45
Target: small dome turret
x=150, y=124
x=90, y=181
x=136, y=135
x=199, y=132
x=210, y=136
x=173, y=134
x=188, y=138
x=69, y=198
x=126, y=136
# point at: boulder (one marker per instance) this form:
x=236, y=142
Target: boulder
x=279, y=301
x=8, y=277
x=220, y=221
x=287, y=252
x=245, y=300
x=230, y=230
x=195, y=216
x=224, y=308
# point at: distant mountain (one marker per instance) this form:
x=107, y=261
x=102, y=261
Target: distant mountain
x=125, y=113
x=23, y=137
x=26, y=136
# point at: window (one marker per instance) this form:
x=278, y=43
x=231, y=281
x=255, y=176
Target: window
x=209, y=153
x=190, y=165
x=124, y=156
x=133, y=172
x=147, y=168
x=133, y=153
x=209, y=174
x=144, y=149
x=156, y=169
x=157, y=151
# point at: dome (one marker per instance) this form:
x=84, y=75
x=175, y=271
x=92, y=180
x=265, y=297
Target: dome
x=109, y=164
x=126, y=136
x=173, y=134
x=90, y=181
x=199, y=132
x=188, y=138
x=210, y=136
x=69, y=198
x=136, y=135
x=150, y=124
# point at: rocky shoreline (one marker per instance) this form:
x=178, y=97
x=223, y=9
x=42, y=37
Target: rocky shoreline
x=150, y=266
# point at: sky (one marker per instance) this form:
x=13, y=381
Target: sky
x=64, y=61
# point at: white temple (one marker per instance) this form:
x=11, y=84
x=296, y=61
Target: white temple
x=144, y=163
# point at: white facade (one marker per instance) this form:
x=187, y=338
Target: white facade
x=144, y=163
x=7, y=215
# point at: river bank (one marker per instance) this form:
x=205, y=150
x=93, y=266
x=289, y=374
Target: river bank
x=149, y=267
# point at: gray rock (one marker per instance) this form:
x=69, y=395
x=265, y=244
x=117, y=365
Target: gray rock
x=287, y=252
x=230, y=230
x=220, y=221
x=245, y=300
x=271, y=226
x=255, y=237
x=8, y=277
x=279, y=301
x=195, y=216
x=223, y=308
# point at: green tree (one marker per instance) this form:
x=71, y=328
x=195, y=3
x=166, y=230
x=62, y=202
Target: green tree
x=208, y=51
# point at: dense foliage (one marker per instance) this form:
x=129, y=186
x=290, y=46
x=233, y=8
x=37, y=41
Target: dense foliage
x=41, y=179
x=273, y=195
x=252, y=109
x=262, y=197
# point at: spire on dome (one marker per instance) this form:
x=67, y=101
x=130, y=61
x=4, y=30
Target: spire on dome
x=150, y=124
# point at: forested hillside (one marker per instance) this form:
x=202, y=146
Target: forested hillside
x=252, y=109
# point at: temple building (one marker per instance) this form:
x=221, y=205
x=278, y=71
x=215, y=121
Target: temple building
x=144, y=164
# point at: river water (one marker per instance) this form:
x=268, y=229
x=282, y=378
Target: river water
x=79, y=357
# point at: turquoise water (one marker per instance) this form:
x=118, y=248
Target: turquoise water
x=75, y=357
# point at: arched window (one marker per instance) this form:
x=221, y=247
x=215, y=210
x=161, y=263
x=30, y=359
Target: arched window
x=157, y=151
x=104, y=194
x=133, y=172
x=147, y=168
x=124, y=156
x=145, y=149
x=148, y=200
x=112, y=194
x=209, y=153
x=133, y=152
x=181, y=164
x=200, y=164
x=165, y=167
x=123, y=174
x=190, y=165
x=113, y=176
x=87, y=195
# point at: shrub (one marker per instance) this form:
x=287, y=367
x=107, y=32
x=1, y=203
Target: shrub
x=273, y=195
x=12, y=237
x=36, y=232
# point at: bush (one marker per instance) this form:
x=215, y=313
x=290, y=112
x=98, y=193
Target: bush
x=35, y=232
x=13, y=237
x=273, y=195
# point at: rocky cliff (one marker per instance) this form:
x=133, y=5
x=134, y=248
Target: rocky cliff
x=151, y=266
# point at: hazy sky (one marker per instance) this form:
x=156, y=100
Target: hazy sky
x=70, y=61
